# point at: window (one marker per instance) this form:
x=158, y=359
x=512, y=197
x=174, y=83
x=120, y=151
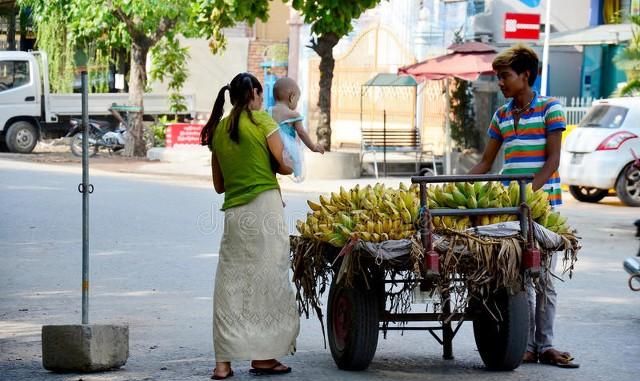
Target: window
x=13, y=74
x=604, y=116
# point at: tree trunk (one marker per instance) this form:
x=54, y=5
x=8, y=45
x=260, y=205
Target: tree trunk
x=135, y=144
x=324, y=48
x=11, y=29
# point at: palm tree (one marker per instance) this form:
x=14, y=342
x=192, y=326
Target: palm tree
x=628, y=60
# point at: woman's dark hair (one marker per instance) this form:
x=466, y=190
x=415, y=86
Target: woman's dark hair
x=241, y=94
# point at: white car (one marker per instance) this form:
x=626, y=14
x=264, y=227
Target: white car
x=598, y=154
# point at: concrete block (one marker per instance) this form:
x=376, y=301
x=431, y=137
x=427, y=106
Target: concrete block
x=84, y=348
x=332, y=165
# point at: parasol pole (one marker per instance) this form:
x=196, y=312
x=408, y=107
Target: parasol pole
x=545, y=51
x=447, y=127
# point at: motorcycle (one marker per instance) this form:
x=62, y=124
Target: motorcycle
x=101, y=134
x=632, y=265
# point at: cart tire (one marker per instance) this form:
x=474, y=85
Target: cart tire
x=353, y=324
x=502, y=344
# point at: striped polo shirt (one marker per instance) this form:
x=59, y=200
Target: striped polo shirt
x=524, y=149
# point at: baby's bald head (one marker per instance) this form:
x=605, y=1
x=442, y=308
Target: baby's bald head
x=284, y=88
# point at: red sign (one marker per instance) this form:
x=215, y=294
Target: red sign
x=522, y=26
x=183, y=134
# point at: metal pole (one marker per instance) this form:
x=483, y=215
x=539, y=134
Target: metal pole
x=447, y=127
x=85, y=199
x=524, y=216
x=545, y=51
x=384, y=141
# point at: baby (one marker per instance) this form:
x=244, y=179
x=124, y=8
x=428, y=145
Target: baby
x=287, y=93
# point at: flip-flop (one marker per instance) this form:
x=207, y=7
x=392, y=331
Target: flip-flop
x=229, y=375
x=270, y=371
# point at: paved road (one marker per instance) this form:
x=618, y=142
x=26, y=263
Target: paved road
x=153, y=255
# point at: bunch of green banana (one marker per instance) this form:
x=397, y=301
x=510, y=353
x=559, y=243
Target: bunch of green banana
x=372, y=213
x=556, y=223
x=490, y=195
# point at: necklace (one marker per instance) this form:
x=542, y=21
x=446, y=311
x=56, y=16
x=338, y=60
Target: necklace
x=519, y=111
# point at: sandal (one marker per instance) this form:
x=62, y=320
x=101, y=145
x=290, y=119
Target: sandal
x=216, y=377
x=271, y=370
x=557, y=358
x=530, y=357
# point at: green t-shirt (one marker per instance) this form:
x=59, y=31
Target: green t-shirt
x=246, y=165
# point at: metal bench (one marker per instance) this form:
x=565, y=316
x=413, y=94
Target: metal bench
x=407, y=141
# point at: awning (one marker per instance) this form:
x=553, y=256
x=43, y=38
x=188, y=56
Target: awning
x=466, y=61
x=598, y=35
x=390, y=79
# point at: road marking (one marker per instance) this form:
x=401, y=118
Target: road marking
x=207, y=255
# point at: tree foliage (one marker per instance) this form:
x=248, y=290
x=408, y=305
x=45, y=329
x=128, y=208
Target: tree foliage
x=330, y=20
x=332, y=16
x=143, y=26
x=628, y=60
x=463, y=130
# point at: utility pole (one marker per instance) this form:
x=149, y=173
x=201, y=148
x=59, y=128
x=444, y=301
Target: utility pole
x=545, y=51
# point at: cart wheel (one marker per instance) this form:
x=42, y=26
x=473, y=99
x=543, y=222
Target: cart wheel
x=353, y=323
x=502, y=343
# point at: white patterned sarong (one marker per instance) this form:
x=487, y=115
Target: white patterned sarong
x=255, y=314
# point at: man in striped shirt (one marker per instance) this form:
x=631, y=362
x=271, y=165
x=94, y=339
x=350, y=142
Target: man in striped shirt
x=530, y=127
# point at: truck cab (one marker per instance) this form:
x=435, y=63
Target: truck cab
x=20, y=101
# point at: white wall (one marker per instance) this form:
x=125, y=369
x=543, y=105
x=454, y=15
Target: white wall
x=208, y=72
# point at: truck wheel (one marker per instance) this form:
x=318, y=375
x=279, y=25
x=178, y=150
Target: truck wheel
x=587, y=194
x=502, y=343
x=353, y=324
x=76, y=145
x=21, y=137
x=628, y=186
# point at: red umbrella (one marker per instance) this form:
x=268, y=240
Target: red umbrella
x=466, y=61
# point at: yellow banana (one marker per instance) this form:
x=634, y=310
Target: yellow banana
x=324, y=201
x=313, y=205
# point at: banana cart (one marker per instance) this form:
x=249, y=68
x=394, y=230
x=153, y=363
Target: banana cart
x=466, y=276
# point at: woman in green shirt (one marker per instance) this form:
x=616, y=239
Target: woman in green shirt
x=255, y=315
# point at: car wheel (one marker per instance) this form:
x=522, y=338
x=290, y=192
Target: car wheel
x=587, y=194
x=628, y=186
x=22, y=137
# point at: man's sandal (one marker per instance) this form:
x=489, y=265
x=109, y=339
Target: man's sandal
x=557, y=358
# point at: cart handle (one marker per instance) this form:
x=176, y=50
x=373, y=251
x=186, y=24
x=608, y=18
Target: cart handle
x=469, y=178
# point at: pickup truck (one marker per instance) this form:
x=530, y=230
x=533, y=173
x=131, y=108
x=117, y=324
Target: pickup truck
x=29, y=111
